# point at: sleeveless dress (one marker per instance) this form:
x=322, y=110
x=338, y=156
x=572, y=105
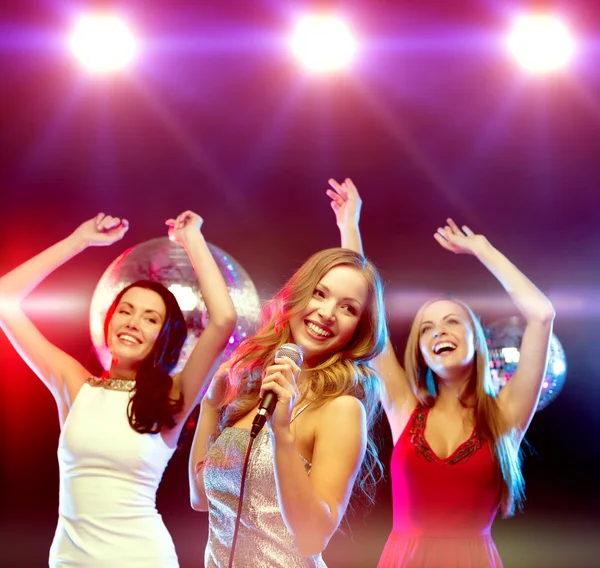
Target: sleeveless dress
x=263, y=539
x=443, y=508
x=109, y=474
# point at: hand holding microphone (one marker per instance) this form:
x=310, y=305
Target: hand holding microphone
x=281, y=384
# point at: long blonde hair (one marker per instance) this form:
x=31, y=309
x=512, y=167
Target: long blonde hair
x=478, y=394
x=345, y=372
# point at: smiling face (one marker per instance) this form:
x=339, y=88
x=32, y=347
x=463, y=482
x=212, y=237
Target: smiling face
x=447, y=339
x=135, y=326
x=330, y=318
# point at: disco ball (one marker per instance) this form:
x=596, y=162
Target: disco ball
x=504, y=340
x=166, y=262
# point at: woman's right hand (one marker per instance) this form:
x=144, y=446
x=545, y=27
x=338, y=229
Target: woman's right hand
x=345, y=202
x=102, y=230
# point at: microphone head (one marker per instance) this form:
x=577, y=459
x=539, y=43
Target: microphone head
x=291, y=351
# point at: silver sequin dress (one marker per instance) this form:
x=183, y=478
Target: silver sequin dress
x=263, y=539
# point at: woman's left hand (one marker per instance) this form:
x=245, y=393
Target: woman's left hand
x=185, y=225
x=281, y=378
x=459, y=241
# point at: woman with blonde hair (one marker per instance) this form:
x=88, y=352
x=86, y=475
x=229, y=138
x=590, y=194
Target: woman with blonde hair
x=456, y=460
x=302, y=470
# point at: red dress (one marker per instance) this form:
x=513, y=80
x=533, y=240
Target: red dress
x=443, y=508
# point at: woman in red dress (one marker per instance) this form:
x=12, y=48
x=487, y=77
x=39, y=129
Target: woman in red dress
x=456, y=459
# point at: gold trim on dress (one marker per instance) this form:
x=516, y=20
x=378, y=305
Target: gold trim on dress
x=111, y=383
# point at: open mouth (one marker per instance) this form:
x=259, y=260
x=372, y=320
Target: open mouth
x=318, y=331
x=128, y=339
x=443, y=347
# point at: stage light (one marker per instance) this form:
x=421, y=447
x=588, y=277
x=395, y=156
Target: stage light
x=103, y=44
x=541, y=43
x=323, y=43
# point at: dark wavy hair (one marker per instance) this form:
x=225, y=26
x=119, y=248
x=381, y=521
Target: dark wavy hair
x=151, y=407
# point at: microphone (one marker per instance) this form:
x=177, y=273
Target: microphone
x=269, y=401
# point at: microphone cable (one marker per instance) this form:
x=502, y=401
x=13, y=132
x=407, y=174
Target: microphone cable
x=294, y=352
x=238, y=517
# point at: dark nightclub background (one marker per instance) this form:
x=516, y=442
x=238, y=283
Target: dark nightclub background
x=433, y=120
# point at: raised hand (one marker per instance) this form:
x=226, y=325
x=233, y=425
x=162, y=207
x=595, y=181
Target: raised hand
x=281, y=378
x=459, y=241
x=102, y=230
x=186, y=225
x=345, y=202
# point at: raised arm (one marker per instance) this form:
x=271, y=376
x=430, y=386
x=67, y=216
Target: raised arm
x=61, y=373
x=397, y=397
x=519, y=398
x=221, y=315
x=347, y=204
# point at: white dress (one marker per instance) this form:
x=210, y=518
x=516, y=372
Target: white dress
x=109, y=474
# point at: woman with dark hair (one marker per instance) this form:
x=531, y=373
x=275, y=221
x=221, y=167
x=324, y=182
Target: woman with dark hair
x=302, y=470
x=456, y=441
x=119, y=431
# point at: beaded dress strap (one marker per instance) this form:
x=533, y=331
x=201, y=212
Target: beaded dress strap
x=300, y=410
x=307, y=464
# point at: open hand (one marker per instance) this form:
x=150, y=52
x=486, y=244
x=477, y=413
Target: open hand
x=345, y=202
x=459, y=241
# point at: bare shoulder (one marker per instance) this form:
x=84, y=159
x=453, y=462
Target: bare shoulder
x=342, y=409
x=340, y=436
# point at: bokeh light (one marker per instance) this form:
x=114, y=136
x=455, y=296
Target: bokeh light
x=323, y=43
x=541, y=43
x=103, y=43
